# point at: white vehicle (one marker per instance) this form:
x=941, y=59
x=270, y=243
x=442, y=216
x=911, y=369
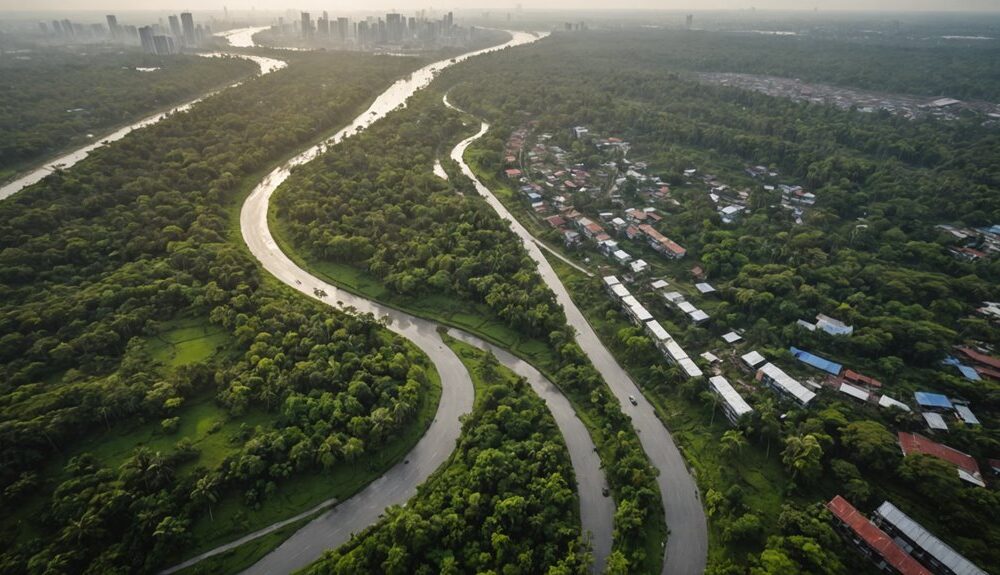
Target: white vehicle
x=631, y=398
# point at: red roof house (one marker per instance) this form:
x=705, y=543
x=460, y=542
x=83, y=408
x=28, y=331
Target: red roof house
x=874, y=538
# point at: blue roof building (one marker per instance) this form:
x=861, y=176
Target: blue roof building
x=932, y=400
x=816, y=361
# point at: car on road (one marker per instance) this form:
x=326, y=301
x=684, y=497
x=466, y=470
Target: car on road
x=605, y=491
x=631, y=399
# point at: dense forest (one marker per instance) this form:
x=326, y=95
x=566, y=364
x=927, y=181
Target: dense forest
x=868, y=253
x=504, y=503
x=96, y=260
x=56, y=99
x=373, y=203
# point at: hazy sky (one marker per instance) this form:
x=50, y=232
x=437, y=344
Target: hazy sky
x=499, y=5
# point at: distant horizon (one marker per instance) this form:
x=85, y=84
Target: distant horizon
x=592, y=6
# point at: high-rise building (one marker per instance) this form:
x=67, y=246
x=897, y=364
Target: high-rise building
x=689, y=21
x=187, y=23
x=306, y=26
x=343, y=28
x=175, y=27
x=57, y=28
x=67, y=28
x=146, y=39
x=394, y=27
x=113, y=27
x=164, y=45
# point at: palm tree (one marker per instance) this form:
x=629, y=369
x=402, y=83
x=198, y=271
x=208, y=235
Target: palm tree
x=733, y=441
x=206, y=490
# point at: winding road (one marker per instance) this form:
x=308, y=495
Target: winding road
x=686, y=551
x=267, y=65
x=397, y=485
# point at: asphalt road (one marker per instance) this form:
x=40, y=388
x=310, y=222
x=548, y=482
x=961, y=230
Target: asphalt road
x=686, y=550
x=337, y=526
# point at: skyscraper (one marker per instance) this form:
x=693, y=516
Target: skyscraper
x=175, y=28
x=164, y=45
x=688, y=21
x=343, y=26
x=187, y=23
x=306, y=25
x=146, y=39
x=113, y=27
x=394, y=26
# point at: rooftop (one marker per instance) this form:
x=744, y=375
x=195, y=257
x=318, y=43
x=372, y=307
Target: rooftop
x=926, y=399
x=731, y=337
x=753, y=359
x=855, y=392
x=928, y=542
x=935, y=421
x=816, y=361
x=725, y=390
x=875, y=538
x=916, y=443
x=787, y=383
x=886, y=401
x=657, y=330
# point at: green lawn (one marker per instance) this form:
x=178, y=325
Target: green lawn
x=186, y=341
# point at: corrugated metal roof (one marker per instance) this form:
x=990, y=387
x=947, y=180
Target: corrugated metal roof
x=886, y=401
x=675, y=350
x=875, y=538
x=966, y=414
x=657, y=330
x=788, y=383
x=753, y=359
x=926, y=541
x=686, y=306
x=698, y=315
x=659, y=284
x=855, y=392
x=725, y=390
x=732, y=337
x=690, y=367
x=935, y=421
x=610, y=280
x=816, y=361
x=704, y=287
x=927, y=399
x=620, y=291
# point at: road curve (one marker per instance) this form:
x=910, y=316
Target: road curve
x=596, y=511
x=267, y=65
x=686, y=550
x=336, y=526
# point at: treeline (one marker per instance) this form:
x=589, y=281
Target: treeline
x=95, y=257
x=504, y=502
x=966, y=70
x=374, y=203
x=52, y=99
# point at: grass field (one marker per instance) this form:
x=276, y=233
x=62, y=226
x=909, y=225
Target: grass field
x=186, y=341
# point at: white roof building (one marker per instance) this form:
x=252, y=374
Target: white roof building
x=620, y=291
x=611, y=281
x=673, y=296
x=704, y=287
x=886, y=402
x=710, y=357
x=690, y=368
x=674, y=350
x=659, y=284
x=935, y=421
x=686, y=307
x=622, y=257
x=780, y=381
x=731, y=337
x=656, y=330
x=917, y=536
x=966, y=415
x=698, y=316
x=753, y=359
x=855, y=392
x=639, y=266
x=735, y=406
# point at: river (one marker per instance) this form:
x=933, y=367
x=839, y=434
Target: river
x=267, y=65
